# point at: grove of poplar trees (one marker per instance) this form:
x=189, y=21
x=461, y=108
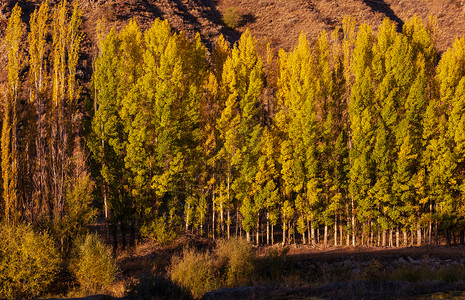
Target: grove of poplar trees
x=46, y=181
x=355, y=139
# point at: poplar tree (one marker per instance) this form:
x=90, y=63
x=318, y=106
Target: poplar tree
x=446, y=165
x=59, y=136
x=164, y=151
x=38, y=78
x=240, y=128
x=296, y=120
x=9, y=142
x=361, y=125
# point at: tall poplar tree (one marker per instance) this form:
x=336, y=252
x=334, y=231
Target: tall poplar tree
x=240, y=128
x=361, y=125
x=38, y=74
x=9, y=142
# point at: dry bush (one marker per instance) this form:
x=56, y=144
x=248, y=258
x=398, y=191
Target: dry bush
x=92, y=264
x=235, y=260
x=232, y=18
x=451, y=273
x=29, y=262
x=194, y=271
x=231, y=264
x=411, y=273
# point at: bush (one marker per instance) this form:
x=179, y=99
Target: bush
x=232, y=18
x=452, y=273
x=92, y=264
x=29, y=262
x=235, y=259
x=232, y=264
x=194, y=271
x=411, y=273
x=160, y=229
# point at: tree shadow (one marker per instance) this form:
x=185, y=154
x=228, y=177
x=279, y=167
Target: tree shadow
x=384, y=8
x=231, y=35
x=248, y=19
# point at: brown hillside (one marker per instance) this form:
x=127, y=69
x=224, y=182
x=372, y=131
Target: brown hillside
x=276, y=21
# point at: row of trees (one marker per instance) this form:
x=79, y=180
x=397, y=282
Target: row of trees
x=44, y=170
x=360, y=135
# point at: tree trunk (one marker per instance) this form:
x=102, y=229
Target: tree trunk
x=284, y=233
x=309, y=232
x=341, y=234
x=303, y=238
x=312, y=228
x=335, y=230
x=294, y=231
x=448, y=237
x=405, y=238
x=348, y=238
x=318, y=235
x=187, y=217
x=430, y=225
x=267, y=228
x=272, y=234
x=237, y=222
x=418, y=235
x=222, y=219
x=326, y=236
x=363, y=234
x=384, y=239
x=397, y=237
x=258, y=229
x=353, y=221
x=229, y=224
x=289, y=232
x=371, y=233
x=213, y=216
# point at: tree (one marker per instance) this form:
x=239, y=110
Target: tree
x=239, y=126
x=9, y=142
x=296, y=120
x=37, y=76
x=361, y=126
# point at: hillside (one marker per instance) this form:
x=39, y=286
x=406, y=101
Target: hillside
x=278, y=22
x=270, y=21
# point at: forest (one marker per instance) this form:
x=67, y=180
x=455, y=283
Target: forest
x=356, y=139
x=359, y=135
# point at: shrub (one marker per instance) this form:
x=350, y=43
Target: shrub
x=232, y=264
x=194, y=271
x=232, y=18
x=235, y=260
x=452, y=273
x=160, y=229
x=92, y=264
x=29, y=262
x=411, y=273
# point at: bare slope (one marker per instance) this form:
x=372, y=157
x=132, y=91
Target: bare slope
x=276, y=21
x=281, y=22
